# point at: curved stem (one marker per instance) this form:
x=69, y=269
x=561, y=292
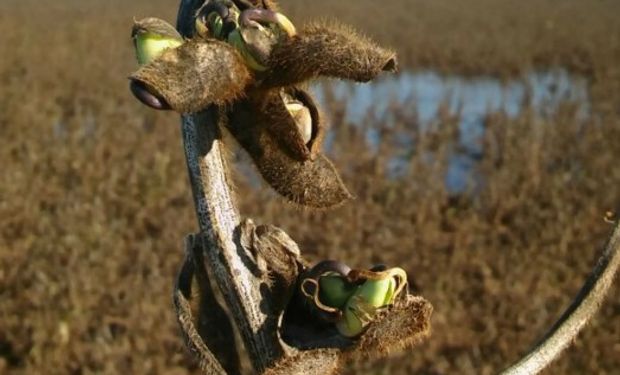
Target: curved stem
x=581, y=311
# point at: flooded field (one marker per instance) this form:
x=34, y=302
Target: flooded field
x=426, y=97
x=470, y=98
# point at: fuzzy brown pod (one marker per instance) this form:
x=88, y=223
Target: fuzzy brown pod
x=195, y=75
x=314, y=182
x=399, y=328
x=320, y=350
x=301, y=137
x=278, y=263
x=404, y=325
x=328, y=50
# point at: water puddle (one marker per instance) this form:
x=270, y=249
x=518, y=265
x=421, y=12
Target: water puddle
x=471, y=99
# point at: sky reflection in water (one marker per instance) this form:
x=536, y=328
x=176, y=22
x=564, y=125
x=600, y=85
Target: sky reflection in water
x=471, y=98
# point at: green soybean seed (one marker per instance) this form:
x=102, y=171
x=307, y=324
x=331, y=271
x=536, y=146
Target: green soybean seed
x=350, y=325
x=236, y=40
x=216, y=23
x=375, y=292
x=334, y=291
x=362, y=306
x=390, y=296
x=150, y=46
x=152, y=37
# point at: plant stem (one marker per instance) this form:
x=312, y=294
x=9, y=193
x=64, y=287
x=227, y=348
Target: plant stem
x=219, y=220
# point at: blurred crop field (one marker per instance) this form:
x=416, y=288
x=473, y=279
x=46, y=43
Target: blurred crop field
x=95, y=200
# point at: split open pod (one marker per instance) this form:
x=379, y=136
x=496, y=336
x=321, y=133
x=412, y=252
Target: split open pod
x=370, y=313
x=251, y=61
x=285, y=145
x=350, y=299
x=194, y=75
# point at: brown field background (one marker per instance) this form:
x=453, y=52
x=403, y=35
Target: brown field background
x=95, y=202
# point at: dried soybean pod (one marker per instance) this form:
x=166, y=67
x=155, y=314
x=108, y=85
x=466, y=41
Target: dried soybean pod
x=312, y=183
x=327, y=50
x=287, y=124
x=195, y=75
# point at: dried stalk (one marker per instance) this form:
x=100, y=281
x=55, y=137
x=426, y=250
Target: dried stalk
x=577, y=315
x=218, y=220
